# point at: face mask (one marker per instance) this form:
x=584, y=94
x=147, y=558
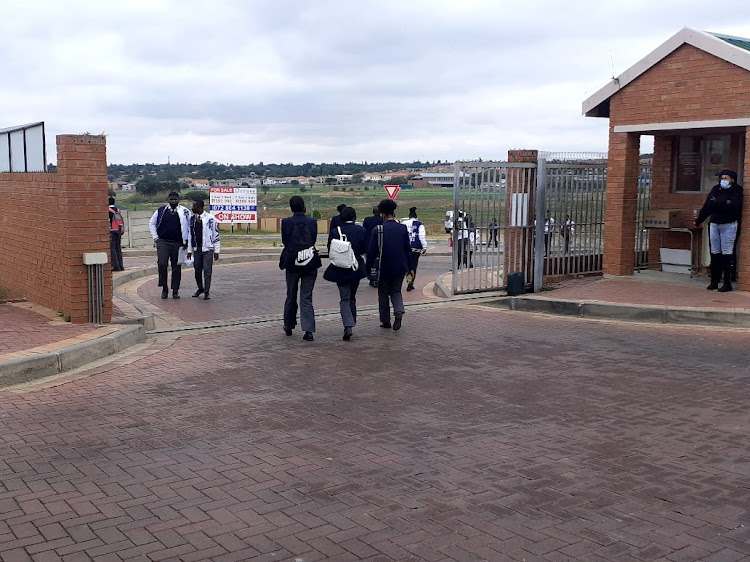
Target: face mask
x=724, y=184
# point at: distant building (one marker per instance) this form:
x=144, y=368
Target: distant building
x=432, y=179
x=372, y=177
x=224, y=183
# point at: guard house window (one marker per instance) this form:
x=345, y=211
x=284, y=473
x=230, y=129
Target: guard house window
x=697, y=159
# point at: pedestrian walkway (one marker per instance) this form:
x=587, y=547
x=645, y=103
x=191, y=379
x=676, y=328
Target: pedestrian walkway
x=473, y=434
x=249, y=288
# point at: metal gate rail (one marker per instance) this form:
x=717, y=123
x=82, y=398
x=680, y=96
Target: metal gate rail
x=495, y=228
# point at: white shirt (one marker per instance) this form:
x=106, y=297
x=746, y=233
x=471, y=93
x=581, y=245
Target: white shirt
x=421, y=232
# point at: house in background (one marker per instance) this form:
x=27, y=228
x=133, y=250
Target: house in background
x=692, y=94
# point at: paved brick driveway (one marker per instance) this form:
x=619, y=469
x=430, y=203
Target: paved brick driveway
x=252, y=289
x=472, y=434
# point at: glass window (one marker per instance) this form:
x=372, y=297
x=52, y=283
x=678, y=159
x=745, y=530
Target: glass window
x=697, y=159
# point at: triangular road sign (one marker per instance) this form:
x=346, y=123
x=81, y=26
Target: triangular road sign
x=392, y=190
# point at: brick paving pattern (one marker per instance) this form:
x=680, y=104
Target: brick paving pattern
x=472, y=434
x=648, y=292
x=24, y=327
x=252, y=289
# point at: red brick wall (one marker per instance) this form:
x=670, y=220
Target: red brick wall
x=743, y=261
x=687, y=85
x=621, y=203
x=49, y=221
x=517, y=240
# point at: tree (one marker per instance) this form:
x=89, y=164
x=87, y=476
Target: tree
x=295, y=183
x=147, y=186
x=264, y=188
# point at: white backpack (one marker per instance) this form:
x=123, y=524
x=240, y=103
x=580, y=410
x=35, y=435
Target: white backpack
x=341, y=253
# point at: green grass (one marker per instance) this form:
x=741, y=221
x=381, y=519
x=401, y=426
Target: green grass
x=431, y=203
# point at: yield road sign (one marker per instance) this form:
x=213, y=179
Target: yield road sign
x=392, y=190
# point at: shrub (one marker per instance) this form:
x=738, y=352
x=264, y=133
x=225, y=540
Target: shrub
x=196, y=194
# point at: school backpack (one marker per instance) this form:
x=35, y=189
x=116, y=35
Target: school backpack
x=341, y=253
x=118, y=223
x=302, y=244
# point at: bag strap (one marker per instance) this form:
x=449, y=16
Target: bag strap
x=342, y=236
x=380, y=242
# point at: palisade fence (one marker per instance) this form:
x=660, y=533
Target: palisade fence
x=23, y=148
x=501, y=209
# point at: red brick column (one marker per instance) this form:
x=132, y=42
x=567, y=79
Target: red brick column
x=743, y=251
x=621, y=203
x=520, y=239
x=82, y=192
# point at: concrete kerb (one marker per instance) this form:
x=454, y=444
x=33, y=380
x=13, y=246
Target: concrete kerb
x=41, y=365
x=630, y=312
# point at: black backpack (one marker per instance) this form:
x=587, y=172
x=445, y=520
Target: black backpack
x=302, y=251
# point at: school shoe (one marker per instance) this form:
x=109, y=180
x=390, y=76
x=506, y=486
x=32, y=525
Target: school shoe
x=164, y=294
x=347, y=333
x=206, y=297
x=198, y=293
x=386, y=325
x=410, y=287
x=397, y=321
x=308, y=336
x=175, y=294
x=287, y=331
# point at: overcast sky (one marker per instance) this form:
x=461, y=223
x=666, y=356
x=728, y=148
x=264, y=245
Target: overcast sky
x=245, y=81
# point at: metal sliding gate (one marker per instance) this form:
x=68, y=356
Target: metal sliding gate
x=501, y=209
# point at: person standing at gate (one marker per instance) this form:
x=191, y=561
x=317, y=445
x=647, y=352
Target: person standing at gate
x=301, y=261
x=116, y=230
x=724, y=206
x=369, y=225
x=205, y=244
x=169, y=227
x=463, y=239
x=347, y=279
x=567, y=228
x=390, y=243
x=549, y=229
x=492, y=227
x=417, y=241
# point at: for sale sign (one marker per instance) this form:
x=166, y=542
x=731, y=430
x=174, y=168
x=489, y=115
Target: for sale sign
x=234, y=204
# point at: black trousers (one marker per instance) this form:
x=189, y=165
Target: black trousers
x=115, y=250
x=415, y=257
x=168, y=252
x=204, y=266
x=389, y=293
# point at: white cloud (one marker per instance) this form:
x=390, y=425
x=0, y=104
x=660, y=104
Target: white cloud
x=332, y=80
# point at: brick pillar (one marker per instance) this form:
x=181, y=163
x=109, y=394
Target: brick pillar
x=82, y=184
x=661, y=187
x=519, y=249
x=621, y=203
x=743, y=251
